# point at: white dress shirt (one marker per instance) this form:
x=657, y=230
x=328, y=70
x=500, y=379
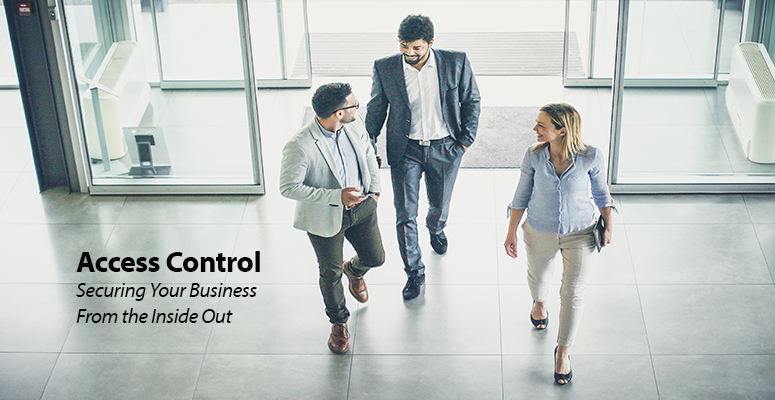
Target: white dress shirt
x=424, y=101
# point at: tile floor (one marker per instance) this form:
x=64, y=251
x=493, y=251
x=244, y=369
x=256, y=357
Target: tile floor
x=679, y=307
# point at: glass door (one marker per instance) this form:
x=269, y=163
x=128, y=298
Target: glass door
x=140, y=138
x=680, y=133
x=193, y=46
x=670, y=42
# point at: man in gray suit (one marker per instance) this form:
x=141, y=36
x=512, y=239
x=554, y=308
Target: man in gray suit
x=431, y=102
x=330, y=169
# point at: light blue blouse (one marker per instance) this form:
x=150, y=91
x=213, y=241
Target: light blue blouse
x=561, y=204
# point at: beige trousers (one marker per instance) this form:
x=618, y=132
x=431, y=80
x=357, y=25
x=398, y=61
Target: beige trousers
x=575, y=247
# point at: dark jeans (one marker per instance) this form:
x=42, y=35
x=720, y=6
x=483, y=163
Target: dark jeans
x=440, y=163
x=360, y=228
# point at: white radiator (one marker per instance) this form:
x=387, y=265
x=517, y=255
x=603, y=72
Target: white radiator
x=124, y=96
x=751, y=100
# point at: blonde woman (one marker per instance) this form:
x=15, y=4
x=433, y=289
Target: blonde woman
x=554, y=188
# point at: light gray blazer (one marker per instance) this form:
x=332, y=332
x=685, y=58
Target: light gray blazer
x=309, y=176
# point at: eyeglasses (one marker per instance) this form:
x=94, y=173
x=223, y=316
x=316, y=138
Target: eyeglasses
x=355, y=106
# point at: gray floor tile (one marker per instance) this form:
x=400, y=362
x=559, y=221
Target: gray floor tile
x=7, y=182
x=280, y=319
x=766, y=235
x=268, y=377
x=642, y=105
x=15, y=153
x=194, y=152
x=709, y=320
x=697, y=254
x=470, y=259
x=36, y=317
x=124, y=376
x=11, y=109
x=594, y=377
x=271, y=208
x=287, y=256
x=128, y=336
x=49, y=253
x=639, y=144
x=24, y=375
x=205, y=108
x=726, y=377
x=183, y=210
x=426, y=377
x=445, y=319
x=718, y=103
x=466, y=208
x=26, y=205
x=684, y=209
x=761, y=207
x=612, y=322
x=163, y=242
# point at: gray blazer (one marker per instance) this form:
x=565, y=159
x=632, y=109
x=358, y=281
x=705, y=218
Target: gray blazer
x=309, y=176
x=457, y=89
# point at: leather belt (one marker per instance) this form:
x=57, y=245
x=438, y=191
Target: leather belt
x=426, y=143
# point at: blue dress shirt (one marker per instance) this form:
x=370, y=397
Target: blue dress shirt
x=345, y=158
x=561, y=204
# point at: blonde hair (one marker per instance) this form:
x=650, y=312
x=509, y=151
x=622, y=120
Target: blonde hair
x=564, y=115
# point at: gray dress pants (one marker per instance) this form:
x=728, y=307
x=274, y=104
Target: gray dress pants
x=439, y=162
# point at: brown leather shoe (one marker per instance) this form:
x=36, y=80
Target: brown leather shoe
x=338, y=340
x=357, y=284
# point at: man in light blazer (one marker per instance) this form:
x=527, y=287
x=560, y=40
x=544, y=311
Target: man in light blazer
x=330, y=169
x=431, y=102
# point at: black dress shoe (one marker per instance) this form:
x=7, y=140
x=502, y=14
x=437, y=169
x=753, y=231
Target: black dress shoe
x=439, y=243
x=413, y=286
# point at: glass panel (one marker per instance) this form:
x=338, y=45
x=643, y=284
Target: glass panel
x=733, y=25
x=672, y=39
x=7, y=63
x=153, y=136
x=199, y=40
x=202, y=50
x=279, y=39
x=681, y=136
x=592, y=24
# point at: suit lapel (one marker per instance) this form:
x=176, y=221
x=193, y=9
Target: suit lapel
x=354, y=136
x=324, y=148
x=396, y=78
x=441, y=67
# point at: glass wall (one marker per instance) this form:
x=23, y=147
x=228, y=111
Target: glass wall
x=167, y=88
x=672, y=40
x=683, y=138
x=193, y=46
x=8, y=76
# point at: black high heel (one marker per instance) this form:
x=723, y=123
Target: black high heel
x=538, y=322
x=561, y=377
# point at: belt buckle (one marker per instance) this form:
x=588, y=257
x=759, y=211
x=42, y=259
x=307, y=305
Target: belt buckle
x=425, y=143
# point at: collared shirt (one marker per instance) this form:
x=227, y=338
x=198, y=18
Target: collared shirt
x=561, y=204
x=345, y=158
x=424, y=101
